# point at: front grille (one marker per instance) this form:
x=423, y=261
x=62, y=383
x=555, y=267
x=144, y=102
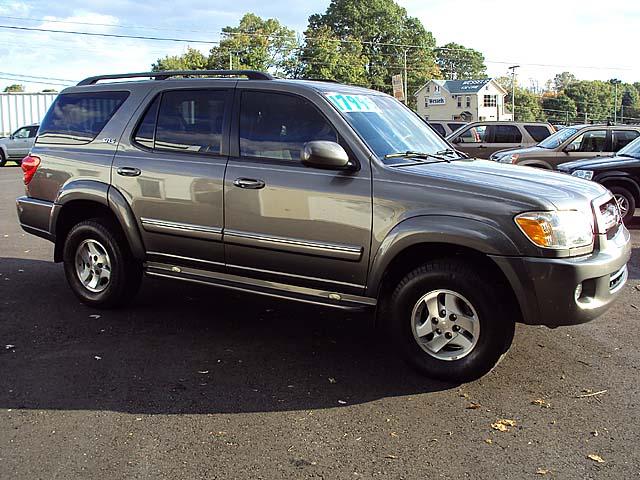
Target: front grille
x=618, y=279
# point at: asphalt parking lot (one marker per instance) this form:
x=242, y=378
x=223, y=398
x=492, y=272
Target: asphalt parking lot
x=192, y=383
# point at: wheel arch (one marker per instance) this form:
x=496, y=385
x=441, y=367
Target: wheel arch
x=84, y=199
x=416, y=241
x=621, y=180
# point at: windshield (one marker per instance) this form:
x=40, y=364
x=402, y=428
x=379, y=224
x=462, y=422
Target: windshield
x=558, y=138
x=631, y=150
x=386, y=125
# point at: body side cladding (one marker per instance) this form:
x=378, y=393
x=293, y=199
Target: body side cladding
x=437, y=229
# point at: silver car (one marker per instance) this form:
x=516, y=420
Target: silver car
x=17, y=145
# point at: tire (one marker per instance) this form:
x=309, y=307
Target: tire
x=625, y=199
x=97, y=251
x=3, y=159
x=474, y=301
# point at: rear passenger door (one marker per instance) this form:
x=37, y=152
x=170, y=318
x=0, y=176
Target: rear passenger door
x=500, y=137
x=171, y=169
x=286, y=222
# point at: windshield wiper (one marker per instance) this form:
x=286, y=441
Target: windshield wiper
x=450, y=151
x=419, y=155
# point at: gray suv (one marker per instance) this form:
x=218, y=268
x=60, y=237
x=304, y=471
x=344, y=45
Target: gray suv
x=17, y=145
x=320, y=193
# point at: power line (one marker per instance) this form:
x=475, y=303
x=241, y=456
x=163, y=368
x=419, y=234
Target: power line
x=34, y=81
x=38, y=78
x=109, y=35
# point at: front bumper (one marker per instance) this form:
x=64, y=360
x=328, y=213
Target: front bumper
x=36, y=216
x=546, y=287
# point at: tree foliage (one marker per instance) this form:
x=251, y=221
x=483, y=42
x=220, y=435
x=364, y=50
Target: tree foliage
x=192, y=59
x=15, y=88
x=386, y=32
x=324, y=56
x=563, y=80
x=559, y=108
x=458, y=62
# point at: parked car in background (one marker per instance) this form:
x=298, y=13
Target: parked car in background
x=17, y=145
x=481, y=139
x=445, y=128
x=620, y=174
x=571, y=143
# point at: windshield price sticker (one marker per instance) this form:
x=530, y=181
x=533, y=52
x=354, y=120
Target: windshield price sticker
x=352, y=103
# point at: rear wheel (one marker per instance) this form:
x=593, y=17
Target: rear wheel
x=99, y=266
x=450, y=322
x=3, y=159
x=626, y=202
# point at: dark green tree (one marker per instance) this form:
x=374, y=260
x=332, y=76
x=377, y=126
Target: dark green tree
x=559, y=108
x=192, y=59
x=386, y=32
x=563, y=80
x=458, y=62
x=15, y=88
x=326, y=57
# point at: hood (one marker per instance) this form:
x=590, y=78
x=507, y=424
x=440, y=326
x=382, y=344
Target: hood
x=520, y=151
x=600, y=163
x=534, y=187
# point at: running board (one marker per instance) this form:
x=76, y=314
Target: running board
x=260, y=287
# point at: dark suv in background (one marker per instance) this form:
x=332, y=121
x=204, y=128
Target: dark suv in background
x=320, y=193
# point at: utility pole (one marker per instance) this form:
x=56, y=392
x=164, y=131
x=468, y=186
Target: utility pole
x=230, y=60
x=513, y=90
x=406, y=93
x=615, y=83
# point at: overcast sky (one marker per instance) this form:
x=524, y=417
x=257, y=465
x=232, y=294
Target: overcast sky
x=593, y=39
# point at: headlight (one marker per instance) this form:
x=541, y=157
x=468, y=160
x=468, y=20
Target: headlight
x=508, y=158
x=557, y=230
x=586, y=174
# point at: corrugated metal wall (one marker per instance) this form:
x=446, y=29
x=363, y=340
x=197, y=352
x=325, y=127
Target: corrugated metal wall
x=19, y=109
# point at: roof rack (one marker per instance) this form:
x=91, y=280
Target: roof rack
x=165, y=74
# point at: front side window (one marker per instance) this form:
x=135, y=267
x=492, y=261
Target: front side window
x=621, y=138
x=190, y=121
x=474, y=134
x=591, y=141
x=505, y=134
x=439, y=128
x=145, y=133
x=276, y=126
x=386, y=125
x=21, y=133
x=77, y=118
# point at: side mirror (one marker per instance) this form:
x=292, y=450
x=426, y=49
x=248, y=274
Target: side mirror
x=324, y=154
x=11, y=137
x=572, y=147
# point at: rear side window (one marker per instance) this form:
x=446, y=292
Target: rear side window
x=537, y=132
x=620, y=138
x=439, y=128
x=145, y=134
x=77, y=118
x=277, y=126
x=504, y=134
x=191, y=121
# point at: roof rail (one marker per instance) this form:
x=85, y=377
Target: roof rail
x=163, y=75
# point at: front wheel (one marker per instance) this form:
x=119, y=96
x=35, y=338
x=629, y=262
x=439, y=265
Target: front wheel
x=450, y=322
x=99, y=266
x=626, y=202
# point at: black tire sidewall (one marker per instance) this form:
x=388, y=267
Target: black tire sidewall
x=630, y=200
x=3, y=159
x=117, y=282
x=496, y=328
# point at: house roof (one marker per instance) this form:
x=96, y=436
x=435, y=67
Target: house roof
x=462, y=86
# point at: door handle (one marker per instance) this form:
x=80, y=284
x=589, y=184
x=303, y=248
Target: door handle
x=249, y=183
x=129, y=171
x=482, y=146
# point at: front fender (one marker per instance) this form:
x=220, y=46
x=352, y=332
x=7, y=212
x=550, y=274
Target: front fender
x=437, y=229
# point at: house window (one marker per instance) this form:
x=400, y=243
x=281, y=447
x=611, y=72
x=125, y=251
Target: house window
x=459, y=102
x=426, y=102
x=490, y=100
x=436, y=88
x=468, y=102
x=428, y=89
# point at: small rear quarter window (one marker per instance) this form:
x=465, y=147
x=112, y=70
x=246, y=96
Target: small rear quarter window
x=77, y=118
x=538, y=132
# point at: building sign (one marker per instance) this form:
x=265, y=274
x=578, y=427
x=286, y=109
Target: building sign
x=437, y=101
x=398, y=90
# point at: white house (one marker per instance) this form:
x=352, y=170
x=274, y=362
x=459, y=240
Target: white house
x=464, y=100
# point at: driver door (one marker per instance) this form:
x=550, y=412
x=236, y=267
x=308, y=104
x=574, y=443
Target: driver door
x=18, y=145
